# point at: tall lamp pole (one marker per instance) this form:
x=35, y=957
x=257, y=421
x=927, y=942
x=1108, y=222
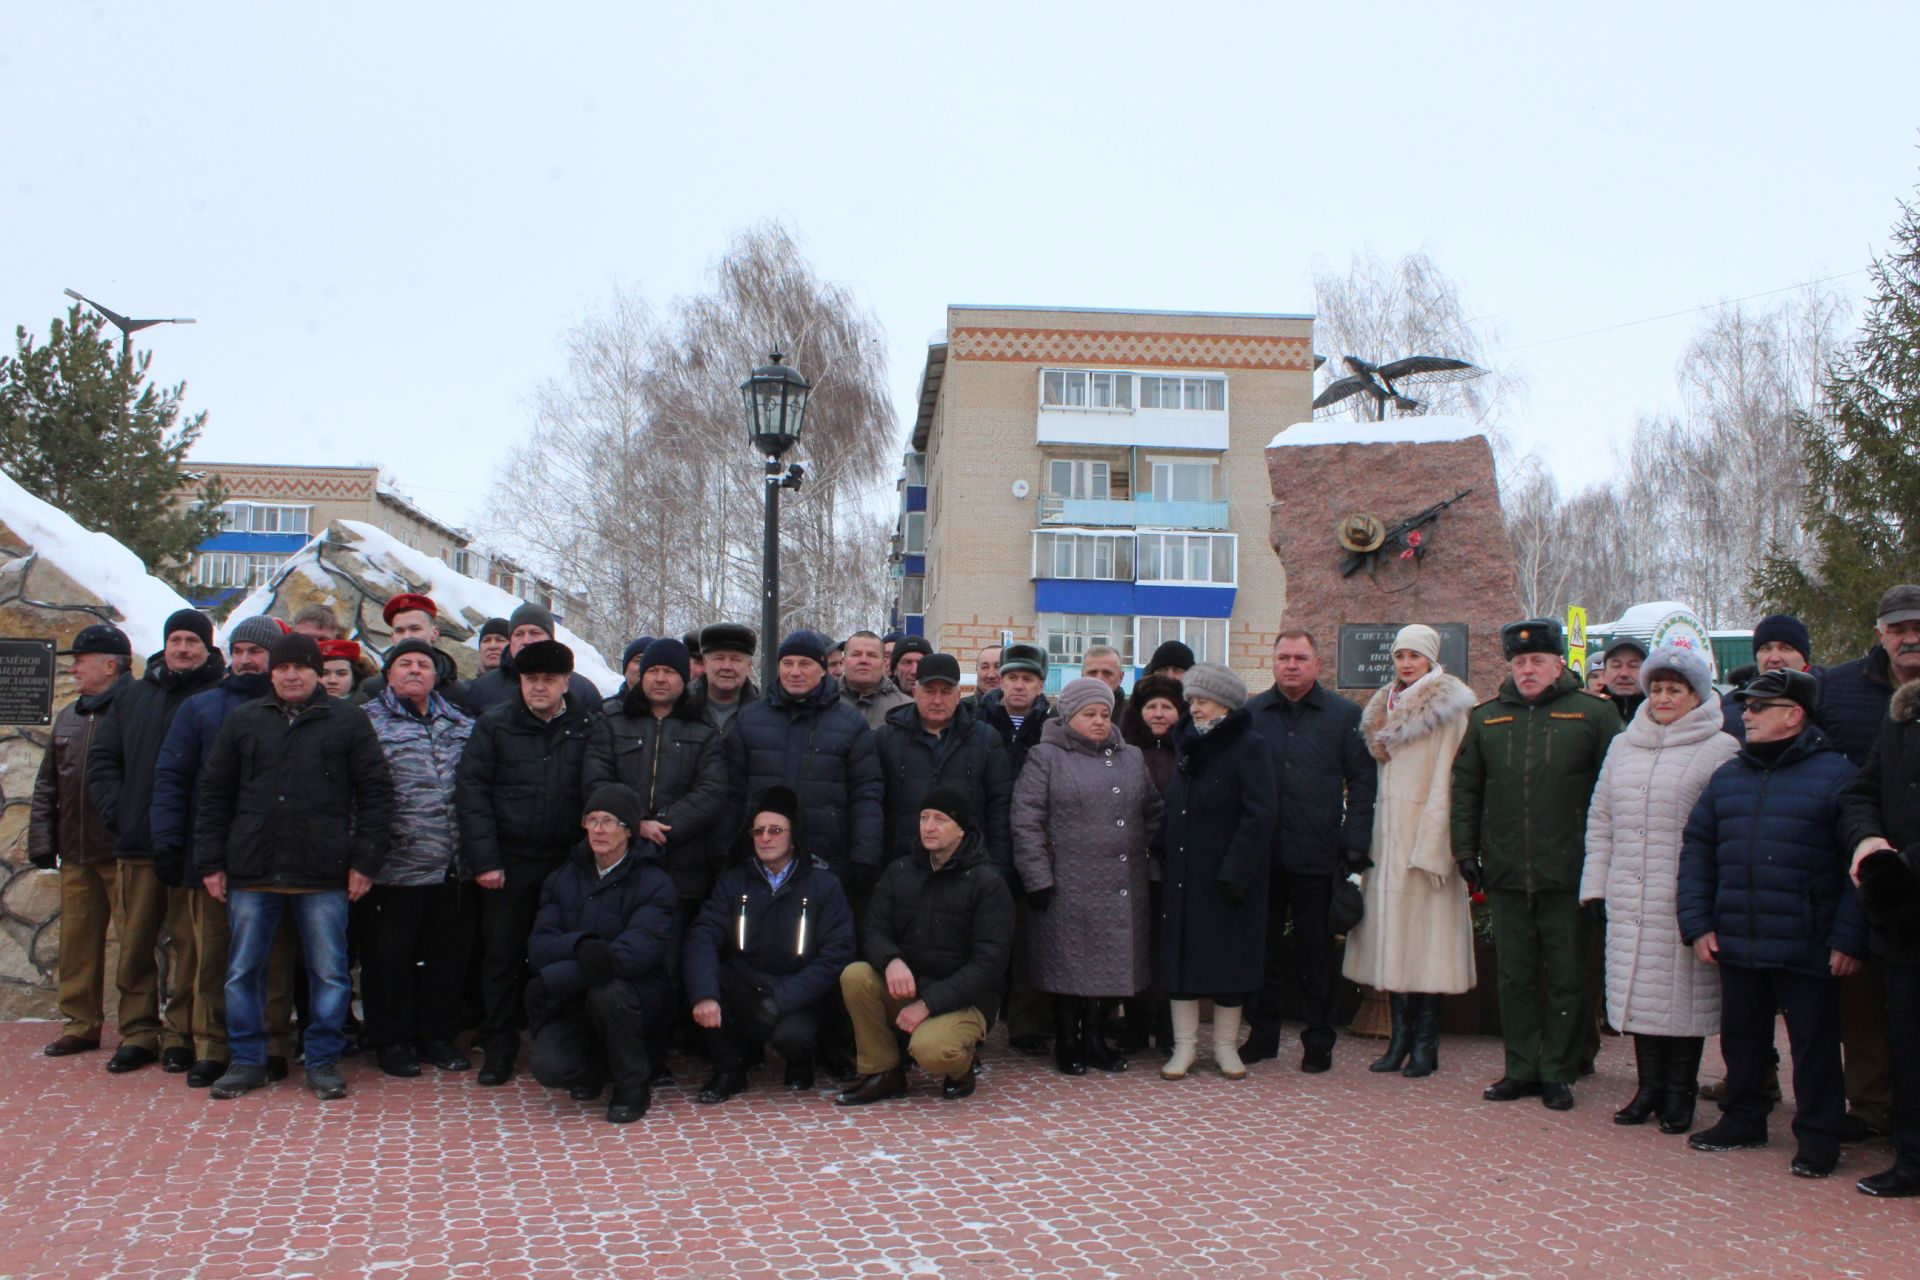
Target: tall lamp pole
x=127, y=327
x=776, y=401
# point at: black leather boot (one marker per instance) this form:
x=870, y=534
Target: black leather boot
x=1069, y=1039
x=1650, y=1062
x=1097, y=1024
x=1400, y=1046
x=1424, y=1010
x=1682, y=1079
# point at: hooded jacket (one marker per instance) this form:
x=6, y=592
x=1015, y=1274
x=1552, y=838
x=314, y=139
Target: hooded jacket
x=969, y=756
x=822, y=749
x=953, y=927
x=176, y=774
x=674, y=765
x=127, y=744
x=631, y=909
x=65, y=825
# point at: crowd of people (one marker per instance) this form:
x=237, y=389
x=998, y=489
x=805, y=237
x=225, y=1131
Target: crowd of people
x=866, y=863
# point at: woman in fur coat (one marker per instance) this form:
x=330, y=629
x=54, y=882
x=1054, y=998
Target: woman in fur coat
x=1416, y=940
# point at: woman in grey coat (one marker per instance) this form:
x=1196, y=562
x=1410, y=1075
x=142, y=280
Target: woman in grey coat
x=1084, y=811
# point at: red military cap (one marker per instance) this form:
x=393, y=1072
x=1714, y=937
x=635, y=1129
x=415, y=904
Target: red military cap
x=336, y=650
x=407, y=601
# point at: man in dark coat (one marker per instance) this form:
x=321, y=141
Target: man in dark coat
x=518, y=791
x=1763, y=893
x=1324, y=781
x=293, y=818
x=601, y=998
x=937, y=741
x=939, y=934
x=801, y=735
x=64, y=831
x=726, y=681
x=530, y=624
x=767, y=949
x=1018, y=711
x=120, y=782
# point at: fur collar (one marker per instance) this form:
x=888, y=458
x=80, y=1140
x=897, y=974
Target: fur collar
x=1905, y=708
x=1424, y=708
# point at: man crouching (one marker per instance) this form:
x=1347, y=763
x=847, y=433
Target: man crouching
x=939, y=933
x=601, y=1000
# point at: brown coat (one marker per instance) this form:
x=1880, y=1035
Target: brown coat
x=1083, y=817
x=63, y=822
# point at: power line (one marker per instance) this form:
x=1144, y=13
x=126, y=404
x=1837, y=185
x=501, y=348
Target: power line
x=1725, y=302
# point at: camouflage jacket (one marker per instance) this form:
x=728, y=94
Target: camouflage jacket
x=422, y=753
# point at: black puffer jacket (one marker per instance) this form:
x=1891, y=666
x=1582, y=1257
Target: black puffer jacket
x=127, y=744
x=674, y=765
x=518, y=789
x=1853, y=702
x=1884, y=801
x=630, y=909
x=821, y=748
x=293, y=801
x=953, y=927
x=1326, y=778
x=971, y=757
x=1019, y=742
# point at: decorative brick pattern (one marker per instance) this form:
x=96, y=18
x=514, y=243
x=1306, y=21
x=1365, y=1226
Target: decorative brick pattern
x=1151, y=350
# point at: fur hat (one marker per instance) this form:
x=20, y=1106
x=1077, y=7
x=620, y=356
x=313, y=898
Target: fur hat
x=1531, y=635
x=1421, y=639
x=1171, y=653
x=784, y=801
x=1030, y=658
x=1081, y=694
x=1685, y=663
x=728, y=637
x=548, y=657
x=1209, y=680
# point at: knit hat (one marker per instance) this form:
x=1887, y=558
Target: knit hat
x=530, y=615
x=341, y=651
x=1421, y=639
x=189, y=620
x=257, y=630
x=1171, y=653
x=728, y=637
x=294, y=650
x=409, y=602
x=1030, y=658
x=635, y=647
x=951, y=801
x=618, y=799
x=667, y=652
x=805, y=643
x=410, y=645
x=1786, y=629
x=1083, y=693
x=906, y=645
x=548, y=657
x=1688, y=664
x=496, y=627
x=1209, y=680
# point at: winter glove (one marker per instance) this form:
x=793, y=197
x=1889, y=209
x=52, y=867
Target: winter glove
x=1234, y=895
x=1354, y=861
x=45, y=861
x=858, y=878
x=1596, y=911
x=170, y=867
x=1470, y=872
x=596, y=959
x=1040, y=899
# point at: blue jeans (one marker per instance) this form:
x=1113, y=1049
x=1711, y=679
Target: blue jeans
x=321, y=919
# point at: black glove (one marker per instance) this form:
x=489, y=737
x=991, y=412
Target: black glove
x=1234, y=895
x=1596, y=910
x=1470, y=872
x=596, y=958
x=858, y=878
x=1039, y=899
x=170, y=867
x=45, y=861
x=1355, y=860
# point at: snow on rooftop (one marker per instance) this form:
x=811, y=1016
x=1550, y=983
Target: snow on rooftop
x=96, y=561
x=1434, y=428
x=1641, y=619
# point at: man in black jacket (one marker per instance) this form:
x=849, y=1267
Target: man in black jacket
x=519, y=794
x=529, y=625
x=120, y=782
x=1325, y=781
x=1018, y=711
x=295, y=810
x=938, y=741
x=939, y=936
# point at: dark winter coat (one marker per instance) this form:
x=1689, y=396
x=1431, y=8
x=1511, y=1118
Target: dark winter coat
x=675, y=767
x=293, y=801
x=1084, y=816
x=970, y=757
x=1522, y=783
x=423, y=754
x=127, y=743
x=1019, y=742
x=749, y=693
x=63, y=824
x=1761, y=865
x=518, y=788
x=176, y=774
x=631, y=909
x=501, y=686
x=1853, y=702
x=1884, y=800
x=821, y=748
x=1217, y=848
x=952, y=927
x=1323, y=775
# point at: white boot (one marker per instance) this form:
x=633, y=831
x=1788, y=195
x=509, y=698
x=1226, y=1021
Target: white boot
x=1226, y=1043
x=1186, y=1035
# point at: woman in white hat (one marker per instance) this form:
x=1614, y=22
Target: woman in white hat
x=1416, y=940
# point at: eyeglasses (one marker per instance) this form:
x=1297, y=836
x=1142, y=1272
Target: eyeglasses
x=601, y=824
x=1755, y=708
x=757, y=832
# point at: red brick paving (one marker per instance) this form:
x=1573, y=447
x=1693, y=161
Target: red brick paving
x=1341, y=1175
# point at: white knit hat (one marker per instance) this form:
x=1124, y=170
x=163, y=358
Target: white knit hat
x=1422, y=640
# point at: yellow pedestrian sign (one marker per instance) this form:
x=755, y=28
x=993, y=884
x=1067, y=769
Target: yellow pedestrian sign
x=1577, y=639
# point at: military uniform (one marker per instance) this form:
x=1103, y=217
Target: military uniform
x=1521, y=784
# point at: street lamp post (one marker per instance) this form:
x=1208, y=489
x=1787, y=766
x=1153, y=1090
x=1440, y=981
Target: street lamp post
x=127, y=327
x=776, y=401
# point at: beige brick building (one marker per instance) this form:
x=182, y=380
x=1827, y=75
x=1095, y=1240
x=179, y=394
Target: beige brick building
x=1085, y=476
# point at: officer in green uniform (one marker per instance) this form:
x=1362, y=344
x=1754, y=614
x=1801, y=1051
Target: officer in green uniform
x=1521, y=784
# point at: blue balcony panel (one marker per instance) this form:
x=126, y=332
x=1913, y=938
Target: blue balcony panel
x=913, y=566
x=1182, y=602
x=1074, y=595
x=259, y=544
x=916, y=497
x=915, y=625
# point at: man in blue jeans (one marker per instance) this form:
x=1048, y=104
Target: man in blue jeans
x=295, y=811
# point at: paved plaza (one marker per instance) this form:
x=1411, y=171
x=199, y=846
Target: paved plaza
x=1342, y=1175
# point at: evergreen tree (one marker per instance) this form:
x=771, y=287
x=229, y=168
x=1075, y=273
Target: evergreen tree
x=82, y=428
x=1862, y=509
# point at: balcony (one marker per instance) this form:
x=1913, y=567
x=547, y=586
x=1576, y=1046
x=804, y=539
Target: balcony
x=1133, y=513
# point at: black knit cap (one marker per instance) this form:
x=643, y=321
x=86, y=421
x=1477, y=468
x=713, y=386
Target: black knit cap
x=906, y=645
x=401, y=650
x=951, y=801
x=618, y=799
x=530, y=615
x=1786, y=629
x=544, y=657
x=497, y=627
x=189, y=620
x=295, y=650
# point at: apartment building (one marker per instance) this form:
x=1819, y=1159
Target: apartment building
x=1082, y=477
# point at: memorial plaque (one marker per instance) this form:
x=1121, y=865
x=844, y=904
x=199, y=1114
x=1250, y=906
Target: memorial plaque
x=1365, y=657
x=26, y=682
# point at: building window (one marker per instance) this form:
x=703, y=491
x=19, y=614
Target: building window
x=913, y=594
x=916, y=533
x=1078, y=478
x=1086, y=389
x=1207, y=637
x=1183, y=393
x=914, y=468
x=1068, y=636
x=1108, y=557
x=1187, y=557
x=1182, y=481
x=233, y=569
x=264, y=517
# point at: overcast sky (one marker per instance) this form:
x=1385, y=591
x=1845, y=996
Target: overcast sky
x=384, y=217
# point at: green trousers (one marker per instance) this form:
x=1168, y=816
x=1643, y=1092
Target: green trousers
x=1540, y=950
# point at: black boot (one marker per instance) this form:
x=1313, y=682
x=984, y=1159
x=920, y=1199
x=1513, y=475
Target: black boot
x=1650, y=1064
x=1401, y=1045
x=1099, y=1053
x=1425, y=1011
x=1069, y=1041
x=1682, y=1083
